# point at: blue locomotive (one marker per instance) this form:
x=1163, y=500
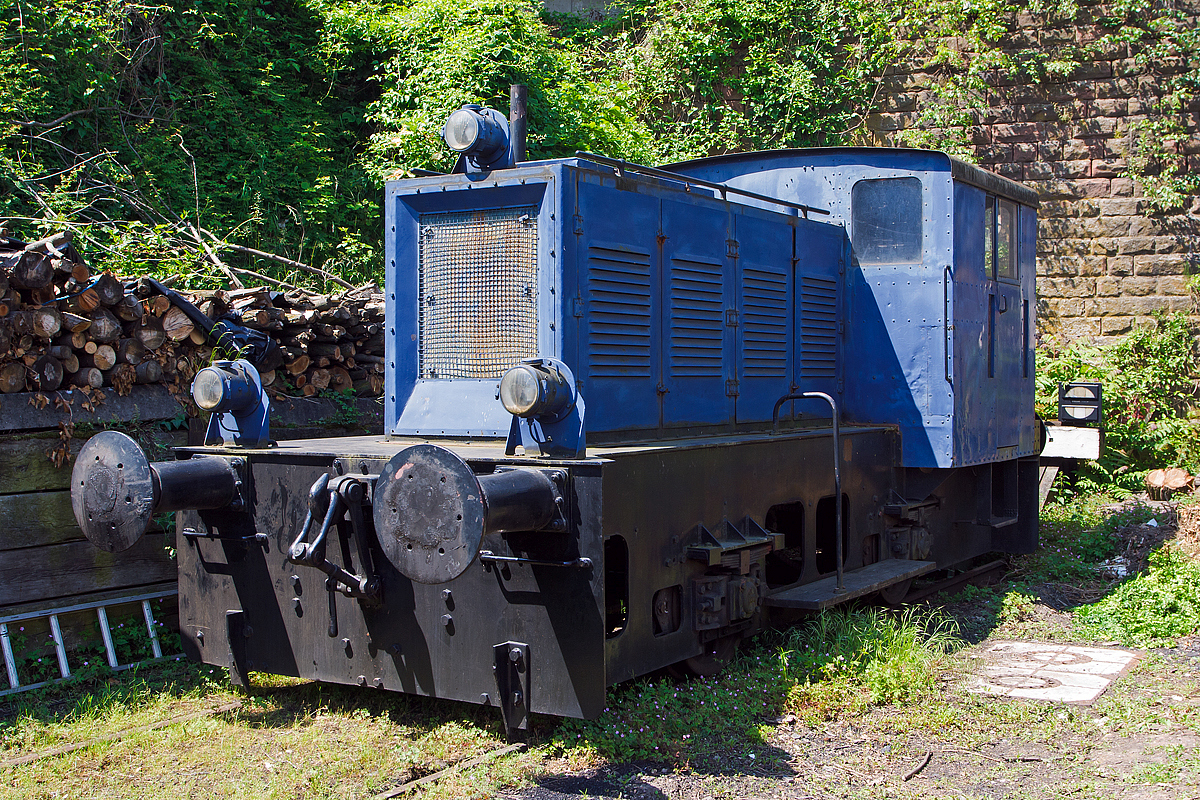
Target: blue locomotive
x=630, y=414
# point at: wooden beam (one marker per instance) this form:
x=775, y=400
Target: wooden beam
x=75, y=568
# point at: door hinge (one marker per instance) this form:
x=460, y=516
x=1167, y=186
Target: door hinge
x=731, y=317
x=578, y=221
x=731, y=388
x=577, y=306
x=731, y=248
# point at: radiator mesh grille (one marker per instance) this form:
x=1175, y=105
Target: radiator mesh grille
x=478, y=292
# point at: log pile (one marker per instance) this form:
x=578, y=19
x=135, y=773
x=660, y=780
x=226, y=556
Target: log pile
x=62, y=326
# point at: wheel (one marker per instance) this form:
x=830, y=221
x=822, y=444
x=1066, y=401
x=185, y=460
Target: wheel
x=716, y=655
x=894, y=595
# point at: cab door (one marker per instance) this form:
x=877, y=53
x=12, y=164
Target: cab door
x=1006, y=316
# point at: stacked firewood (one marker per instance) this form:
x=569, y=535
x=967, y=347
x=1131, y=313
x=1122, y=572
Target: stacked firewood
x=62, y=326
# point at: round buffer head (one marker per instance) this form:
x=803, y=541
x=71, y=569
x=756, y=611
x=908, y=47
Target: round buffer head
x=429, y=513
x=112, y=491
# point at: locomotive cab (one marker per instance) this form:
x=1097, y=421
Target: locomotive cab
x=608, y=443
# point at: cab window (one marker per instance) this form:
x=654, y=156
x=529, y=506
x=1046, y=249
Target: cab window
x=1000, y=239
x=886, y=221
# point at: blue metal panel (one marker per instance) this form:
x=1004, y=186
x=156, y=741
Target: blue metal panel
x=697, y=290
x=820, y=306
x=458, y=407
x=975, y=391
x=1030, y=440
x=766, y=313
x=619, y=276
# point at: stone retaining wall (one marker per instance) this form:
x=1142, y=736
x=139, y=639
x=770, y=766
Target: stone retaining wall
x=1106, y=259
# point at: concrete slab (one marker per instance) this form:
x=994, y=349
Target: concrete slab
x=1054, y=672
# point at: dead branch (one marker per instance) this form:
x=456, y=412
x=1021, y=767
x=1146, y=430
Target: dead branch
x=280, y=260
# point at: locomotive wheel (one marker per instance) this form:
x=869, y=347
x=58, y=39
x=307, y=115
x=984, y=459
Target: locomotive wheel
x=894, y=595
x=717, y=654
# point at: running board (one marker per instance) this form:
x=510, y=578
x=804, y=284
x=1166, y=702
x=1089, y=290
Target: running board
x=822, y=594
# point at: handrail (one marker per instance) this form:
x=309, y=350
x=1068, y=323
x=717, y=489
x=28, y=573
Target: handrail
x=625, y=166
x=837, y=477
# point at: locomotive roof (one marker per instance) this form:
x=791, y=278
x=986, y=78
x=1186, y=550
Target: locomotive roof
x=959, y=170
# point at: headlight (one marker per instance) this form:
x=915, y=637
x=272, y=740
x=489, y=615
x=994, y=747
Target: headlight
x=224, y=387
x=462, y=130
x=480, y=134
x=532, y=390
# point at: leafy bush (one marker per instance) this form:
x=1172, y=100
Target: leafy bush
x=1153, y=609
x=1149, y=380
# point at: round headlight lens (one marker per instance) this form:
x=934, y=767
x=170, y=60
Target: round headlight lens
x=521, y=391
x=462, y=130
x=208, y=388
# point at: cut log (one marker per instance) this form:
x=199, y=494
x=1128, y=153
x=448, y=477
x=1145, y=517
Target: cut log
x=148, y=372
x=46, y=321
x=66, y=356
x=267, y=377
x=103, y=359
x=298, y=366
x=177, y=325
x=90, y=347
x=12, y=378
x=105, y=327
x=1162, y=484
x=339, y=379
x=84, y=303
x=130, y=351
x=74, y=322
x=88, y=376
x=32, y=271
x=198, y=337
x=128, y=308
x=8, y=304
x=160, y=305
x=108, y=289
x=47, y=373
x=150, y=333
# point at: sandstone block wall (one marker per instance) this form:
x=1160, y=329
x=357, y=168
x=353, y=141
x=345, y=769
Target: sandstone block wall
x=1106, y=258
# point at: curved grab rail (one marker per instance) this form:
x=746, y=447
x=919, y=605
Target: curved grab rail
x=837, y=477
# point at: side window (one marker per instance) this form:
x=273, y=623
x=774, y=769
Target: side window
x=989, y=238
x=886, y=221
x=1000, y=239
x=1006, y=240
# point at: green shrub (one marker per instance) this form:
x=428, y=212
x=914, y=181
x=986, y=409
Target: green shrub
x=1153, y=609
x=1149, y=380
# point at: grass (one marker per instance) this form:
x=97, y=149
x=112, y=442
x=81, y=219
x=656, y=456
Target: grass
x=288, y=739
x=844, y=661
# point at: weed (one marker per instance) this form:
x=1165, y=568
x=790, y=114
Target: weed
x=847, y=660
x=1016, y=607
x=1153, y=609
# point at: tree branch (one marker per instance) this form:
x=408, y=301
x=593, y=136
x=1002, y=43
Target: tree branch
x=281, y=260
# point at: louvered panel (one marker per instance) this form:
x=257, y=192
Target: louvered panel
x=765, y=323
x=818, y=327
x=697, y=318
x=619, y=312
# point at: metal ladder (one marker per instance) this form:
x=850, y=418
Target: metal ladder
x=64, y=668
